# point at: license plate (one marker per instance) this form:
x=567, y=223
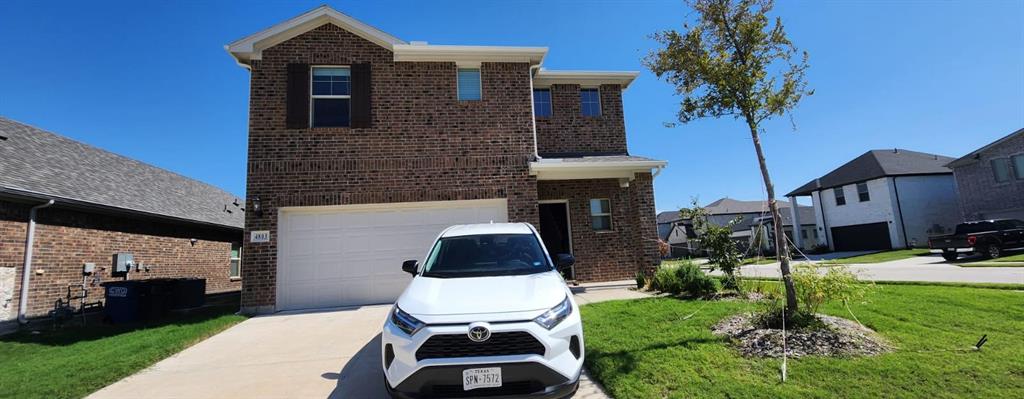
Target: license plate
x=489, y=377
x=951, y=249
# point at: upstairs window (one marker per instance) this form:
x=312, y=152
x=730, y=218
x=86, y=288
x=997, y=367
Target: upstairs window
x=862, y=192
x=542, y=103
x=331, y=96
x=235, y=270
x=590, y=102
x=601, y=214
x=840, y=197
x=469, y=84
x=1001, y=169
x=1018, y=166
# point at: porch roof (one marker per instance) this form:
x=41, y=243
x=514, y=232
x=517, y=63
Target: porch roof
x=594, y=167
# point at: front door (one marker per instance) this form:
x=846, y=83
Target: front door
x=554, y=229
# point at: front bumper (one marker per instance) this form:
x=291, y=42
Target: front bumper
x=524, y=380
x=957, y=250
x=554, y=374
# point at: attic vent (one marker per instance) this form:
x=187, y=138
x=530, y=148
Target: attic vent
x=3, y=138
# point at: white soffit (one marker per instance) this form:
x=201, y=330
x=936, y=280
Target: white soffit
x=545, y=78
x=250, y=47
x=555, y=169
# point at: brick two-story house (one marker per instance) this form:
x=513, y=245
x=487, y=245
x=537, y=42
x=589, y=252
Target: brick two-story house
x=363, y=147
x=990, y=180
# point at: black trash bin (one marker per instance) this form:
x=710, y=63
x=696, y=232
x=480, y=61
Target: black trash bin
x=189, y=293
x=124, y=300
x=159, y=299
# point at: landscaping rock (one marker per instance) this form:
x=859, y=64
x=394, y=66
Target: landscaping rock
x=837, y=337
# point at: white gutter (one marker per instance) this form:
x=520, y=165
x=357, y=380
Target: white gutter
x=26, y=272
x=533, y=113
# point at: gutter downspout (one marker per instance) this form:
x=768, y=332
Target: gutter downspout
x=26, y=272
x=533, y=113
x=899, y=208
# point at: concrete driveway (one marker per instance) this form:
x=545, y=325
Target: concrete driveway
x=325, y=354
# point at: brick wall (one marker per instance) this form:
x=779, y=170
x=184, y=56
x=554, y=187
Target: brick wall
x=568, y=131
x=632, y=242
x=424, y=144
x=980, y=195
x=65, y=239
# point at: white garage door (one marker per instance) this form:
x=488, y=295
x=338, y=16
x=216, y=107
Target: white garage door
x=352, y=255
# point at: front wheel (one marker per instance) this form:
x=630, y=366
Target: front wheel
x=993, y=251
x=949, y=256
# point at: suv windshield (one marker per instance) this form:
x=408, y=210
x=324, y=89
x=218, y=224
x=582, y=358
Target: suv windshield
x=486, y=255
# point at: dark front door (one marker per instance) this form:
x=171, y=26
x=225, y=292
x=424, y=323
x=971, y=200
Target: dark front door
x=862, y=237
x=554, y=228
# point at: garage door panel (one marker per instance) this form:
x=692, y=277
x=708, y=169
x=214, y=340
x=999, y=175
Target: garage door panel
x=862, y=237
x=343, y=257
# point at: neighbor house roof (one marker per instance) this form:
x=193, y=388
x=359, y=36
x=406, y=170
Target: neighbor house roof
x=725, y=206
x=976, y=154
x=38, y=164
x=668, y=217
x=878, y=163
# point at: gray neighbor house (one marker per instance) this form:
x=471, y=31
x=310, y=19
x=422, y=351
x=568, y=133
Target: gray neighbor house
x=990, y=180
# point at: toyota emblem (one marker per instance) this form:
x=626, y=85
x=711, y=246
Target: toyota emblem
x=478, y=332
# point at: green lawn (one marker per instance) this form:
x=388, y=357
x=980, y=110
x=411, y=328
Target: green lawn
x=880, y=257
x=1012, y=259
x=76, y=361
x=664, y=354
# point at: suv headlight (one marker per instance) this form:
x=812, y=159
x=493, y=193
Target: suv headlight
x=405, y=322
x=555, y=315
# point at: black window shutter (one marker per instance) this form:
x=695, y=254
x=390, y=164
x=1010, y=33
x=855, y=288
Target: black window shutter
x=361, y=88
x=297, y=103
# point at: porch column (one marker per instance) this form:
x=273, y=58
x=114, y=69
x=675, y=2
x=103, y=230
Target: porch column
x=797, y=227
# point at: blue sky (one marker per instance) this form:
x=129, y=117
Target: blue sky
x=152, y=81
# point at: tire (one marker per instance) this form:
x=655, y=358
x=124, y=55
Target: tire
x=949, y=256
x=993, y=251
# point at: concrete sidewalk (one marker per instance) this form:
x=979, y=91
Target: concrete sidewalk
x=325, y=354
x=917, y=268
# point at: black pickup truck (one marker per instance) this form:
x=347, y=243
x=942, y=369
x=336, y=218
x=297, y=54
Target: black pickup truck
x=987, y=237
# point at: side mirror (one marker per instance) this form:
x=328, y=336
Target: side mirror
x=564, y=261
x=410, y=266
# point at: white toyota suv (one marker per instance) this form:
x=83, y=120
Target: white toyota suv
x=487, y=314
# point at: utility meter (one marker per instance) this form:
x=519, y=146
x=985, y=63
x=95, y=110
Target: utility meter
x=123, y=262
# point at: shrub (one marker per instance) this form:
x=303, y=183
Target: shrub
x=814, y=289
x=693, y=281
x=641, y=279
x=665, y=280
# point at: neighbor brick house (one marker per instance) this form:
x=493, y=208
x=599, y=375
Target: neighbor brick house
x=990, y=180
x=363, y=147
x=103, y=204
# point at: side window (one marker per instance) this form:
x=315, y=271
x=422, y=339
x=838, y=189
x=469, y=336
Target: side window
x=469, y=84
x=601, y=214
x=1001, y=169
x=235, y=270
x=331, y=95
x=840, y=197
x=1018, y=166
x=590, y=102
x=862, y=192
x=542, y=103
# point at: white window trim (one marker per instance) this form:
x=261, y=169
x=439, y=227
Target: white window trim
x=611, y=224
x=327, y=97
x=232, y=259
x=600, y=108
x=480, y=77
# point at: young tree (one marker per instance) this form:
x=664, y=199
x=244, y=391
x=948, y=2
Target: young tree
x=733, y=62
x=717, y=240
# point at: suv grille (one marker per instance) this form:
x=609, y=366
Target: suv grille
x=500, y=343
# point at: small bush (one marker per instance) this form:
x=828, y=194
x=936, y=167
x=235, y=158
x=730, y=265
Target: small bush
x=641, y=280
x=692, y=280
x=814, y=289
x=665, y=280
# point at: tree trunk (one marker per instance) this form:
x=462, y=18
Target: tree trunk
x=781, y=247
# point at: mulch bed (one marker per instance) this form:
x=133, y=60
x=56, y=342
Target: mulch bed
x=836, y=337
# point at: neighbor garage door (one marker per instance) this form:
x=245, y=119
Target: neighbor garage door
x=352, y=255
x=862, y=237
